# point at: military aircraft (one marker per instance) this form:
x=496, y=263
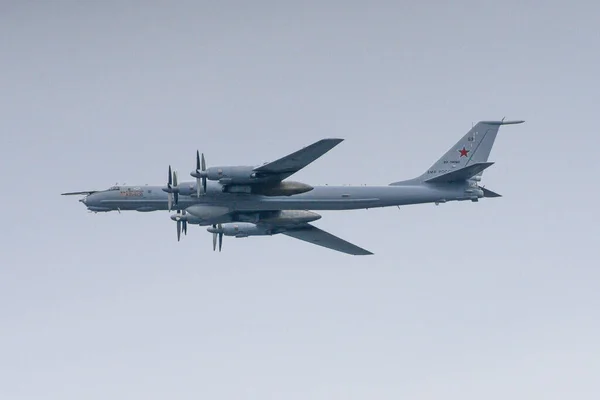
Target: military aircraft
x=242, y=201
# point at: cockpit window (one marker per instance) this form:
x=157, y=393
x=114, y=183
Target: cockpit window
x=114, y=188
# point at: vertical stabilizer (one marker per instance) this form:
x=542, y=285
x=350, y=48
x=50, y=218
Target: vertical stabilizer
x=473, y=148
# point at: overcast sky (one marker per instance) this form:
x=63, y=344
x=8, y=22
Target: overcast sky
x=497, y=299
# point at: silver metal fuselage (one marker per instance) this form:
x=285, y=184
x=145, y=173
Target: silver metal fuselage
x=153, y=198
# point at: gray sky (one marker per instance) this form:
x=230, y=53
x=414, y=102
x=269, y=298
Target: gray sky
x=492, y=300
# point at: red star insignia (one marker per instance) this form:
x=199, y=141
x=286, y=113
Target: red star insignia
x=463, y=152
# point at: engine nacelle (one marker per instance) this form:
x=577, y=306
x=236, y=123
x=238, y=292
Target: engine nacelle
x=240, y=229
x=289, y=217
x=204, y=213
x=231, y=175
x=285, y=188
x=187, y=189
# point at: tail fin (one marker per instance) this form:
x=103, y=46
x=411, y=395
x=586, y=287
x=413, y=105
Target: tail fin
x=473, y=148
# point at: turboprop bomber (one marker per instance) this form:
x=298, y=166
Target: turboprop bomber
x=243, y=201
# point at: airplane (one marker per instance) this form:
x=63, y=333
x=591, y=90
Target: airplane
x=243, y=201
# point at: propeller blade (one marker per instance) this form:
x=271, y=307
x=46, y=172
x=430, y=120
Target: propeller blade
x=176, y=187
x=200, y=166
x=203, y=169
x=170, y=180
x=220, y=228
x=178, y=230
x=184, y=223
x=214, y=241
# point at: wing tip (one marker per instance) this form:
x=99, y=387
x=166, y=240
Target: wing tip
x=359, y=251
x=333, y=140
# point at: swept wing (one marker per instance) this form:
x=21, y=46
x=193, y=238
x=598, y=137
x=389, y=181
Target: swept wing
x=311, y=234
x=292, y=163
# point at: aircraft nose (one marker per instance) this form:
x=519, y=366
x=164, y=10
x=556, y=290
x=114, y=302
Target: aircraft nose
x=91, y=200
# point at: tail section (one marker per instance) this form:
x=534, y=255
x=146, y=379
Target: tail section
x=468, y=157
x=461, y=174
x=489, y=193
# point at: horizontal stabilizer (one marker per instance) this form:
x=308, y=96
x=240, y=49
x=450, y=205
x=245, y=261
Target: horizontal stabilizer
x=489, y=193
x=502, y=122
x=461, y=174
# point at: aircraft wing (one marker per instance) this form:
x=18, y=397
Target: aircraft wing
x=294, y=162
x=314, y=235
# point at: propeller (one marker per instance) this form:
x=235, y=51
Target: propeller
x=200, y=173
x=218, y=233
x=175, y=188
x=181, y=223
x=172, y=188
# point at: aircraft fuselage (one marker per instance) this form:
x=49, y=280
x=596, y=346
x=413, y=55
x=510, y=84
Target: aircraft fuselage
x=153, y=198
